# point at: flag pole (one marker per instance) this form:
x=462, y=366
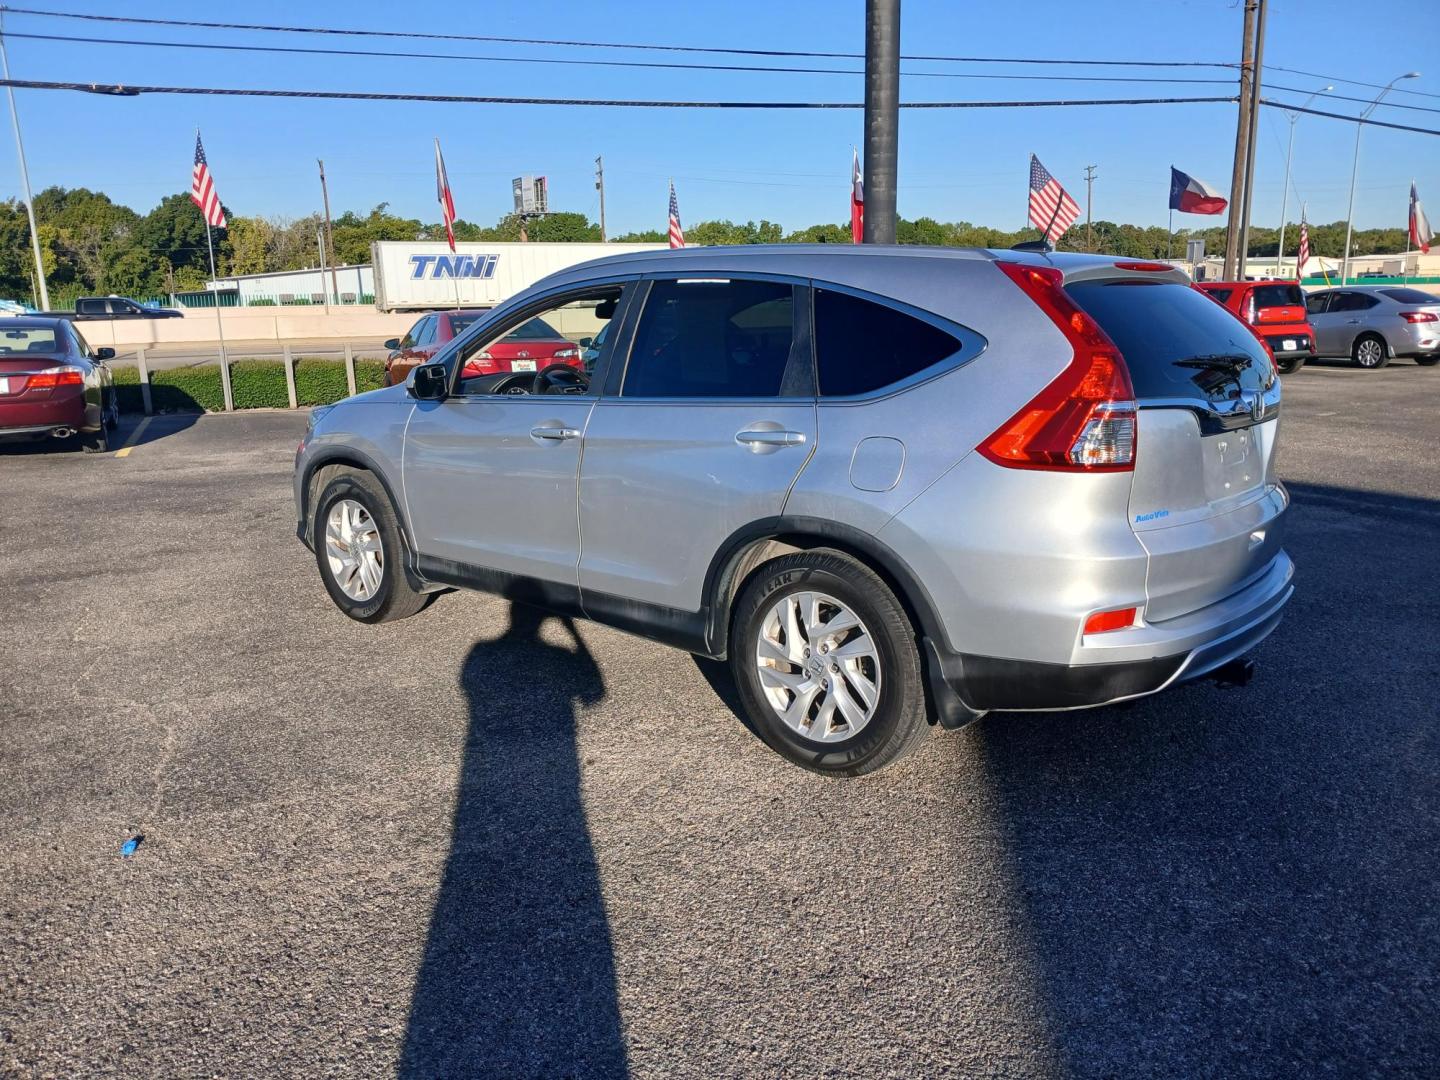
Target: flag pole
x=219, y=323
x=1170, y=240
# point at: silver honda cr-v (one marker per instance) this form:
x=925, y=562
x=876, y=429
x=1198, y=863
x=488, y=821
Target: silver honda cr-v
x=891, y=485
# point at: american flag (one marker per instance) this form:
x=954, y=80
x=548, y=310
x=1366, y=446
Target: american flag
x=1052, y=210
x=677, y=234
x=202, y=189
x=1303, y=256
x=442, y=192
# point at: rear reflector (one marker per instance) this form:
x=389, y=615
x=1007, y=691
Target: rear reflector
x=1119, y=619
x=65, y=375
x=1419, y=316
x=1085, y=419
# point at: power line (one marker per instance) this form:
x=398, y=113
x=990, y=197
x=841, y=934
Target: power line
x=1345, y=97
x=1352, y=82
x=124, y=90
x=1349, y=119
x=649, y=46
x=393, y=55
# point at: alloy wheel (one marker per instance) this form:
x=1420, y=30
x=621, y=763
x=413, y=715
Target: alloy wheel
x=819, y=667
x=353, y=549
x=1369, y=352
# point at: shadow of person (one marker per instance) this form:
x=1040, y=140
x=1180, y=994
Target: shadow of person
x=518, y=977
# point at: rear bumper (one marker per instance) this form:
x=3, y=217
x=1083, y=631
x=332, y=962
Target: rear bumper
x=22, y=417
x=1302, y=343
x=1188, y=647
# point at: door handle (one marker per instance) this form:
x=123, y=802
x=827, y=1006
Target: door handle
x=770, y=438
x=555, y=434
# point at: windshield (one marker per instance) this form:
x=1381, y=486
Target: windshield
x=1177, y=342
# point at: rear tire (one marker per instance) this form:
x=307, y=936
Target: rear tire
x=95, y=442
x=1370, y=352
x=841, y=702
x=1289, y=367
x=360, y=550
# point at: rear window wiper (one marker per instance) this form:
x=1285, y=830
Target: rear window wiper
x=1217, y=362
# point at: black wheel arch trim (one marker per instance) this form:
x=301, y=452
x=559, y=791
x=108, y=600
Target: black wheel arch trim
x=348, y=455
x=720, y=577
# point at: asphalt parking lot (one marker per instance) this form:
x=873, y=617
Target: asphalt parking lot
x=478, y=842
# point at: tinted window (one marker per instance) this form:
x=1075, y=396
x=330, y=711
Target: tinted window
x=1166, y=331
x=1351, y=301
x=1220, y=294
x=715, y=338
x=1410, y=296
x=1315, y=304
x=861, y=346
x=459, y=324
x=1278, y=296
x=425, y=331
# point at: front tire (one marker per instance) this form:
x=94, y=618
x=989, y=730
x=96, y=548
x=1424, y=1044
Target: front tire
x=825, y=660
x=360, y=550
x=1427, y=361
x=1370, y=352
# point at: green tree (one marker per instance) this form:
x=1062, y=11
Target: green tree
x=352, y=235
x=174, y=234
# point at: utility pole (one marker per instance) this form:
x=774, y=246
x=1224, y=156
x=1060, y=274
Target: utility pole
x=44, y=294
x=329, y=235
x=600, y=187
x=1255, y=80
x=882, y=117
x=1242, y=139
x=1089, y=191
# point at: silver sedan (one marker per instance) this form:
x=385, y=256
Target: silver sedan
x=1372, y=324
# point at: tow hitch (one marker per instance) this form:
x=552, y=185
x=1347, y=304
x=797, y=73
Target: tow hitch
x=1235, y=673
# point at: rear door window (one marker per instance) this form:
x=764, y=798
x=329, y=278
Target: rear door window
x=1316, y=304
x=862, y=346
x=1176, y=343
x=1221, y=294
x=1278, y=296
x=714, y=337
x=1352, y=301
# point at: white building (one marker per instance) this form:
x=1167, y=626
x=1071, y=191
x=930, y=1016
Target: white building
x=350, y=285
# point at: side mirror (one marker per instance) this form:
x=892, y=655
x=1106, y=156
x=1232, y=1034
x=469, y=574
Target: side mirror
x=586, y=342
x=393, y=344
x=428, y=382
x=105, y=353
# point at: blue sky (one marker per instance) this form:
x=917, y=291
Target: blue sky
x=790, y=167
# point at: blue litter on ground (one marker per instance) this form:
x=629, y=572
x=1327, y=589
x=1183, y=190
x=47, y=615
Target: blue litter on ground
x=128, y=847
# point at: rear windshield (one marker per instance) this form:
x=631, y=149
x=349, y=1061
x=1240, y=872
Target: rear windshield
x=1279, y=296
x=33, y=339
x=1410, y=296
x=533, y=330
x=1166, y=331
x=460, y=323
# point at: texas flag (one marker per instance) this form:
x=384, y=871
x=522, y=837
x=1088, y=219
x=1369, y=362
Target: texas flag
x=1192, y=196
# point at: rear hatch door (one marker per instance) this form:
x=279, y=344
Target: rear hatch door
x=1203, y=501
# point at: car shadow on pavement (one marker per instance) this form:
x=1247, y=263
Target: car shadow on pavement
x=133, y=431
x=1242, y=882
x=518, y=976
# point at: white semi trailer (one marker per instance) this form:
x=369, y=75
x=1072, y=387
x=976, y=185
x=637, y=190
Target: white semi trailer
x=416, y=276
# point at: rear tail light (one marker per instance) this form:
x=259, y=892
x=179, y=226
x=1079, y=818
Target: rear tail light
x=65, y=375
x=1104, y=621
x=1085, y=418
x=1419, y=316
x=1252, y=314
x=567, y=354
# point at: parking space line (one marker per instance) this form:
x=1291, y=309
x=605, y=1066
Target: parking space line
x=124, y=451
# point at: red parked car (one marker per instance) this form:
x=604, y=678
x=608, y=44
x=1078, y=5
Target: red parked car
x=1275, y=310
x=54, y=385
x=533, y=346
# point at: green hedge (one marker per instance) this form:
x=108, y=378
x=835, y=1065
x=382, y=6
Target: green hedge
x=256, y=384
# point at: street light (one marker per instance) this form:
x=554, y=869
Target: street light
x=1285, y=191
x=1355, y=165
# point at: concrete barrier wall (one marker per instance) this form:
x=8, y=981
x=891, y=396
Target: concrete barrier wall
x=279, y=324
